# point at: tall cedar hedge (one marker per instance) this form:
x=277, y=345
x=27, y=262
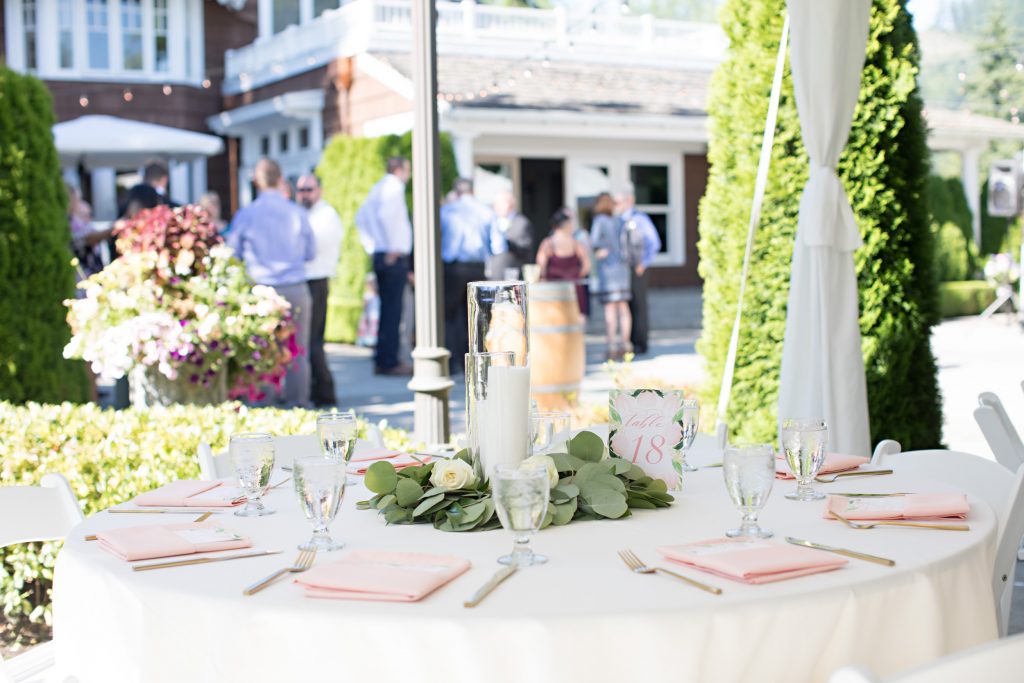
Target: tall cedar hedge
x=36, y=274
x=348, y=169
x=884, y=170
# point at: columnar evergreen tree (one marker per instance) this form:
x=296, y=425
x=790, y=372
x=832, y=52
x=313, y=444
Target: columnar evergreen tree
x=36, y=274
x=884, y=170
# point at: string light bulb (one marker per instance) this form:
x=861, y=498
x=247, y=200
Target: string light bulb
x=207, y=83
x=168, y=89
x=127, y=95
x=83, y=101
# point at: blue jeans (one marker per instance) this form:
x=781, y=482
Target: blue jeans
x=391, y=281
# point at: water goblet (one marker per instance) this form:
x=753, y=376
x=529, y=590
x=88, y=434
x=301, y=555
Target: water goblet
x=548, y=430
x=749, y=471
x=252, y=455
x=803, y=443
x=338, y=435
x=521, y=501
x=320, y=485
x=690, y=409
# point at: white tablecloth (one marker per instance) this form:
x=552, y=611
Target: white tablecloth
x=581, y=617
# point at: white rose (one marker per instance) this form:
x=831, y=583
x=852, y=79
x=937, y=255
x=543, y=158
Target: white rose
x=540, y=462
x=452, y=474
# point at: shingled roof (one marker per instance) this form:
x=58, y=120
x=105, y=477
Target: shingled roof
x=563, y=85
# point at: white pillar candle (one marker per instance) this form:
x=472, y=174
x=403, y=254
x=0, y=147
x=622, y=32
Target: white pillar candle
x=503, y=417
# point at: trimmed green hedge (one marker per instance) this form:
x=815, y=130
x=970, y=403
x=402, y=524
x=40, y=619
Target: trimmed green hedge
x=969, y=297
x=884, y=169
x=956, y=256
x=109, y=457
x=348, y=170
x=36, y=274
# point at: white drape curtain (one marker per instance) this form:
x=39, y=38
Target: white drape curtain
x=822, y=366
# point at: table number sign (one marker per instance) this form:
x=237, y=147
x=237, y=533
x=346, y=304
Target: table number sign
x=645, y=429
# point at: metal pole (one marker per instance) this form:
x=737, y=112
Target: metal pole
x=430, y=381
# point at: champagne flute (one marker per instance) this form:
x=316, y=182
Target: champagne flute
x=521, y=500
x=252, y=455
x=690, y=410
x=803, y=442
x=749, y=471
x=320, y=485
x=548, y=429
x=338, y=434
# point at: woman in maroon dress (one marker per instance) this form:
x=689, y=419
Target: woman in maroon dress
x=562, y=257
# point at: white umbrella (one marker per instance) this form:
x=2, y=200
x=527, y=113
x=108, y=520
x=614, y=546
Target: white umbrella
x=109, y=141
x=822, y=365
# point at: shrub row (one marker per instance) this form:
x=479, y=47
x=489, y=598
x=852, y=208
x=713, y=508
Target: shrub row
x=969, y=297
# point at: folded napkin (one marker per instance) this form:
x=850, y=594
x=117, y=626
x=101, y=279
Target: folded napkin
x=400, y=461
x=913, y=506
x=191, y=493
x=367, y=453
x=164, y=540
x=752, y=561
x=834, y=462
x=382, y=575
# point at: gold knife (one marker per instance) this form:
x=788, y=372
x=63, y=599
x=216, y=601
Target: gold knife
x=500, y=576
x=202, y=560
x=842, y=551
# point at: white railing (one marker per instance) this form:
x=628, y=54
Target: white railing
x=470, y=28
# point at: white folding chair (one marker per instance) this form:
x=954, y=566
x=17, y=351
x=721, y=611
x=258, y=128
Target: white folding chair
x=286, y=449
x=41, y=513
x=999, y=432
x=997, y=661
x=996, y=485
x=884, y=449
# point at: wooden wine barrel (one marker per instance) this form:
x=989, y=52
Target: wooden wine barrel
x=557, y=355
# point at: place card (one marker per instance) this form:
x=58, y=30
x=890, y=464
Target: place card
x=646, y=429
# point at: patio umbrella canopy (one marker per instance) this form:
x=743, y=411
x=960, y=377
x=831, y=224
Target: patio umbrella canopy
x=822, y=363
x=109, y=141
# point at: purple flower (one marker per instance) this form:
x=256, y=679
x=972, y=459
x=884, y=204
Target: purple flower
x=194, y=379
x=249, y=367
x=256, y=355
x=214, y=344
x=183, y=323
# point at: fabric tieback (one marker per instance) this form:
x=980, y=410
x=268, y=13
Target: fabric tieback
x=826, y=218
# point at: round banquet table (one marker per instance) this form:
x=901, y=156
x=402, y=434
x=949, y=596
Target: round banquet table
x=581, y=617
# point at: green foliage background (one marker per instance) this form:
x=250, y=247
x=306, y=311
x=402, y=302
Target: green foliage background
x=36, y=274
x=348, y=169
x=884, y=170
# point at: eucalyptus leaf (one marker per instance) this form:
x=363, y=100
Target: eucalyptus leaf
x=431, y=492
x=587, y=446
x=364, y=505
x=611, y=482
x=620, y=466
x=381, y=477
x=602, y=501
x=426, y=503
x=570, y=490
x=549, y=517
x=396, y=515
x=564, y=513
x=464, y=455
x=408, y=491
x=658, y=485
x=473, y=512
x=588, y=472
x=385, y=501
x=566, y=463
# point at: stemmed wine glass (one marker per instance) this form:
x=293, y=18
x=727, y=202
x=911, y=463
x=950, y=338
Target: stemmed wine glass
x=690, y=409
x=320, y=485
x=548, y=429
x=252, y=455
x=749, y=471
x=521, y=500
x=338, y=434
x=803, y=442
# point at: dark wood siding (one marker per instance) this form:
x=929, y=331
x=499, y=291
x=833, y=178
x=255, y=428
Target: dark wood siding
x=695, y=173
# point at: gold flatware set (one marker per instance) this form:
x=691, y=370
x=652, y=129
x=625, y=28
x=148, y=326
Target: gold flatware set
x=898, y=522
x=636, y=565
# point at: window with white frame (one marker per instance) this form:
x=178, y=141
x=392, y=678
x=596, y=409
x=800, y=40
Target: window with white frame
x=277, y=15
x=651, y=189
x=129, y=40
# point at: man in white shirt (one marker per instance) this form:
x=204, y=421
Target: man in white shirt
x=327, y=233
x=386, y=233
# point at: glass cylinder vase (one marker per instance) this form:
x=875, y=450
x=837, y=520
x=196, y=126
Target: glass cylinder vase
x=498, y=319
x=497, y=410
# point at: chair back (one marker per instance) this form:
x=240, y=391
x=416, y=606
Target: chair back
x=41, y=513
x=997, y=661
x=286, y=449
x=999, y=432
x=884, y=449
x=998, y=487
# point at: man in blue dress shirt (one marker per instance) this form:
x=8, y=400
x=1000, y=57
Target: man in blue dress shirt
x=273, y=237
x=645, y=244
x=469, y=236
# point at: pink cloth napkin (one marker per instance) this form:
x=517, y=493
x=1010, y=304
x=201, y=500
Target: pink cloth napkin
x=834, y=462
x=190, y=493
x=914, y=506
x=165, y=540
x=400, y=461
x=382, y=575
x=752, y=561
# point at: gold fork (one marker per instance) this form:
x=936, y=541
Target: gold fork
x=303, y=562
x=854, y=473
x=636, y=565
x=893, y=522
